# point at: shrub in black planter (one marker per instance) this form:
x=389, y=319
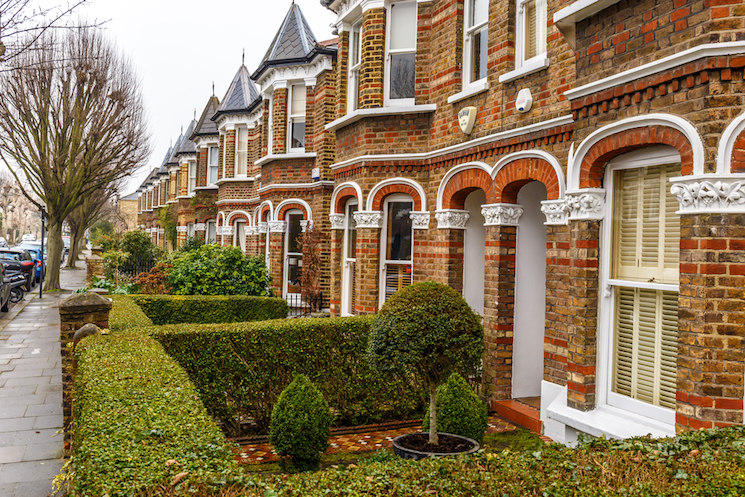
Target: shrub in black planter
x=459, y=410
x=300, y=426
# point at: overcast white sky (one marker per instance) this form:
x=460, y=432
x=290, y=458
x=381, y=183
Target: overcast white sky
x=180, y=47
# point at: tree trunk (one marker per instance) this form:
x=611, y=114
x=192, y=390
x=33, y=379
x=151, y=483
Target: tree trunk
x=76, y=233
x=54, y=256
x=433, y=439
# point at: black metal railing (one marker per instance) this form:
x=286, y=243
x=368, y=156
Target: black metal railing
x=134, y=268
x=303, y=307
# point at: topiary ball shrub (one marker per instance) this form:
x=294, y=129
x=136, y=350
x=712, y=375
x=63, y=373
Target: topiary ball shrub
x=459, y=410
x=426, y=331
x=300, y=426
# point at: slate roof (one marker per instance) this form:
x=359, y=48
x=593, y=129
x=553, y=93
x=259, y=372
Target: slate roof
x=172, y=152
x=131, y=196
x=206, y=126
x=327, y=3
x=294, y=43
x=242, y=95
x=186, y=146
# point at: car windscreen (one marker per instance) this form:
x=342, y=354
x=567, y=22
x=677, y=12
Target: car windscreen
x=10, y=256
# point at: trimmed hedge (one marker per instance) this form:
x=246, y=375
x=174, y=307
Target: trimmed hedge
x=135, y=414
x=241, y=368
x=125, y=313
x=701, y=463
x=204, y=309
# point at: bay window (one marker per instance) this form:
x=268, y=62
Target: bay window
x=396, y=267
x=192, y=176
x=531, y=31
x=296, y=119
x=401, y=53
x=476, y=46
x=241, y=151
x=212, y=164
x=355, y=64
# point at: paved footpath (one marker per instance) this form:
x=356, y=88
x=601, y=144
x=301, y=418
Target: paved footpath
x=31, y=391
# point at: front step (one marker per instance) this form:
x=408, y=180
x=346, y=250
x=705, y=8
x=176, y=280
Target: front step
x=519, y=414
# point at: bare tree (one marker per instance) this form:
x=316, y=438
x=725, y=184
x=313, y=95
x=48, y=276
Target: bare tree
x=73, y=122
x=95, y=207
x=23, y=23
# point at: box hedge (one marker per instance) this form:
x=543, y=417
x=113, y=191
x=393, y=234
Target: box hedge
x=125, y=314
x=138, y=421
x=202, y=309
x=241, y=368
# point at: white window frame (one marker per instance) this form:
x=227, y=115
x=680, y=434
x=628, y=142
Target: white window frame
x=468, y=33
x=395, y=197
x=207, y=225
x=346, y=304
x=236, y=174
x=190, y=230
x=286, y=269
x=653, y=156
x=192, y=176
x=213, y=166
x=295, y=118
x=520, y=60
x=270, y=125
x=353, y=84
x=387, y=101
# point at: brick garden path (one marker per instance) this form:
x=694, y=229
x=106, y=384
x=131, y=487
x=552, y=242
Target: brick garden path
x=31, y=391
x=357, y=442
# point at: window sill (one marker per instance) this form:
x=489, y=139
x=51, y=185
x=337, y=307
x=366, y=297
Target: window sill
x=473, y=89
x=212, y=186
x=609, y=421
x=239, y=179
x=358, y=114
x=529, y=67
x=272, y=157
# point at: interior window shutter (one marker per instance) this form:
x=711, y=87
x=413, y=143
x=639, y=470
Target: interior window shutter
x=624, y=344
x=540, y=27
x=530, y=30
x=627, y=223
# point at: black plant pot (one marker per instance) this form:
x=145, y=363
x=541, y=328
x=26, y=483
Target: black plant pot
x=405, y=453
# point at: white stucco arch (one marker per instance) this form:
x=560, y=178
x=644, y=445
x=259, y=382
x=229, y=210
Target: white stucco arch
x=534, y=154
x=296, y=201
x=260, y=208
x=339, y=188
x=397, y=181
x=455, y=170
x=220, y=216
x=727, y=144
x=670, y=121
x=235, y=213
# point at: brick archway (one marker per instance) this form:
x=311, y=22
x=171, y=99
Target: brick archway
x=592, y=169
x=516, y=174
x=738, y=155
x=239, y=216
x=342, y=197
x=265, y=211
x=293, y=205
x=465, y=182
x=381, y=194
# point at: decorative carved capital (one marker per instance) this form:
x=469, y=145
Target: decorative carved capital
x=304, y=225
x=277, y=226
x=501, y=214
x=556, y=212
x=587, y=204
x=263, y=228
x=420, y=220
x=200, y=227
x=710, y=195
x=337, y=221
x=369, y=219
x=225, y=230
x=449, y=219
x=252, y=230
x=182, y=229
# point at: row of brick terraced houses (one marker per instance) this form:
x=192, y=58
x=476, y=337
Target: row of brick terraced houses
x=576, y=169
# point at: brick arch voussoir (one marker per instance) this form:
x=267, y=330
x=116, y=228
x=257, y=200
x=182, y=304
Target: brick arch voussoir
x=518, y=173
x=342, y=197
x=464, y=183
x=396, y=188
x=592, y=169
x=264, y=213
x=737, y=164
x=239, y=217
x=285, y=208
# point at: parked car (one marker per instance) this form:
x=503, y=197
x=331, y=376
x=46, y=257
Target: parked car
x=35, y=251
x=29, y=237
x=3, y=242
x=19, y=260
x=4, y=290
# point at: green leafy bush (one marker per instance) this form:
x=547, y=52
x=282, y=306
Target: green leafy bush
x=241, y=368
x=300, y=426
x=125, y=314
x=139, y=421
x=459, y=410
x=696, y=463
x=427, y=330
x=191, y=244
x=139, y=245
x=203, y=309
x=216, y=270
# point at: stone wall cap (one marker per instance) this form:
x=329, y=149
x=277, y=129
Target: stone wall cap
x=85, y=302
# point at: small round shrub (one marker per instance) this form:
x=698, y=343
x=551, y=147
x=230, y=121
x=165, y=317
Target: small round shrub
x=300, y=426
x=459, y=410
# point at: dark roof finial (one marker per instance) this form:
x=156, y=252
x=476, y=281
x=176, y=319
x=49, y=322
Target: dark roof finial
x=243, y=59
x=195, y=113
x=213, y=88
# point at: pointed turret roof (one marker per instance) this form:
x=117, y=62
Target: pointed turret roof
x=206, y=126
x=242, y=95
x=173, y=151
x=294, y=43
x=186, y=146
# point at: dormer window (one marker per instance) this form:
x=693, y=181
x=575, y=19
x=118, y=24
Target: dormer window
x=212, y=164
x=476, y=46
x=296, y=119
x=401, y=53
x=355, y=64
x=241, y=151
x=531, y=26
